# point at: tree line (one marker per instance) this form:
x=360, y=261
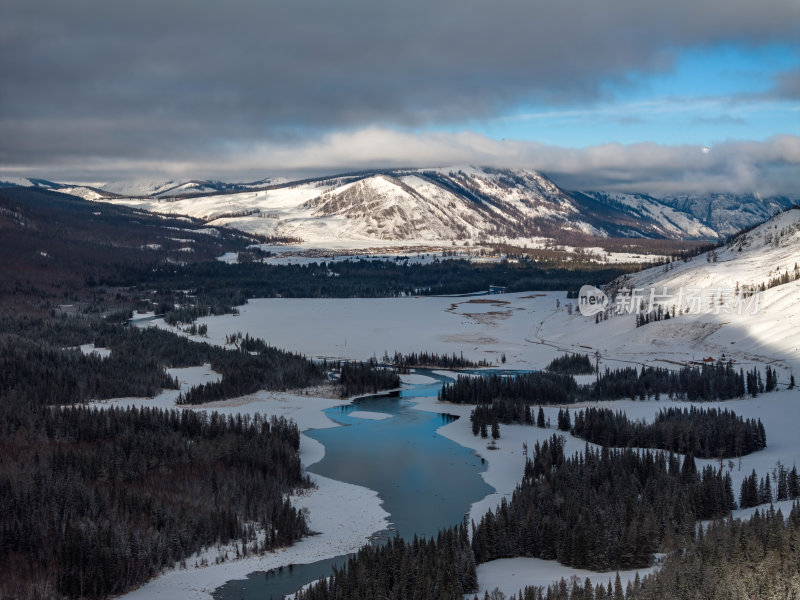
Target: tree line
x=511, y=392
x=47, y=374
x=357, y=378
x=701, y=432
x=31, y=352
x=509, y=396
x=784, y=485
x=217, y=288
x=431, y=359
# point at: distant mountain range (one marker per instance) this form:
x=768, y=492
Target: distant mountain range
x=477, y=205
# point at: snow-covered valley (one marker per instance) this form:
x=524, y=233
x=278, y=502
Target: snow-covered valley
x=528, y=330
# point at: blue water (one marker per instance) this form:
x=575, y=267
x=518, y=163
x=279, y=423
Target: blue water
x=426, y=481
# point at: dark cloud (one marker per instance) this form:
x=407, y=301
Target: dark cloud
x=184, y=80
x=787, y=85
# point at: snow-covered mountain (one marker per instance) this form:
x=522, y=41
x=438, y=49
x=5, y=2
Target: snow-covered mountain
x=154, y=188
x=436, y=206
x=721, y=214
x=431, y=206
x=677, y=222
x=728, y=213
x=474, y=204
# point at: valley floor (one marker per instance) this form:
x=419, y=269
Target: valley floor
x=529, y=330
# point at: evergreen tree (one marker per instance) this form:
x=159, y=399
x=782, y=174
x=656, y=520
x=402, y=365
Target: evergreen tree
x=782, y=487
x=564, y=421
x=540, y=418
x=794, y=484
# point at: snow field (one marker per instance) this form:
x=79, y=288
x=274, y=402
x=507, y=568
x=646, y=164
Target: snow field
x=362, y=328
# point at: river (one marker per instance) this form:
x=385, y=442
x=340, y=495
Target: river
x=425, y=480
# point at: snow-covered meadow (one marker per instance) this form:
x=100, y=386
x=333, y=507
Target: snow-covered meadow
x=482, y=328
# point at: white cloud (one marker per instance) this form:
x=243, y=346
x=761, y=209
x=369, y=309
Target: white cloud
x=771, y=166
x=768, y=167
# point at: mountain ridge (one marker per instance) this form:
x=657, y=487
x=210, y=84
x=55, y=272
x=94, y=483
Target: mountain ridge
x=468, y=205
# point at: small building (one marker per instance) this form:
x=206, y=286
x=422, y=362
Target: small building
x=497, y=289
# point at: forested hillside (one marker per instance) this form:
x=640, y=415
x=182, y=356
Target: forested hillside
x=733, y=559
x=97, y=501
x=56, y=249
x=601, y=510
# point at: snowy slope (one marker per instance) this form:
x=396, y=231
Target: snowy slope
x=142, y=187
x=87, y=193
x=699, y=215
x=674, y=222
x=750, y=258
x=763, y=328
x=728, y=213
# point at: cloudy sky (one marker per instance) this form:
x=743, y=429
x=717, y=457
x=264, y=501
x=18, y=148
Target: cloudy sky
x=628, y=94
